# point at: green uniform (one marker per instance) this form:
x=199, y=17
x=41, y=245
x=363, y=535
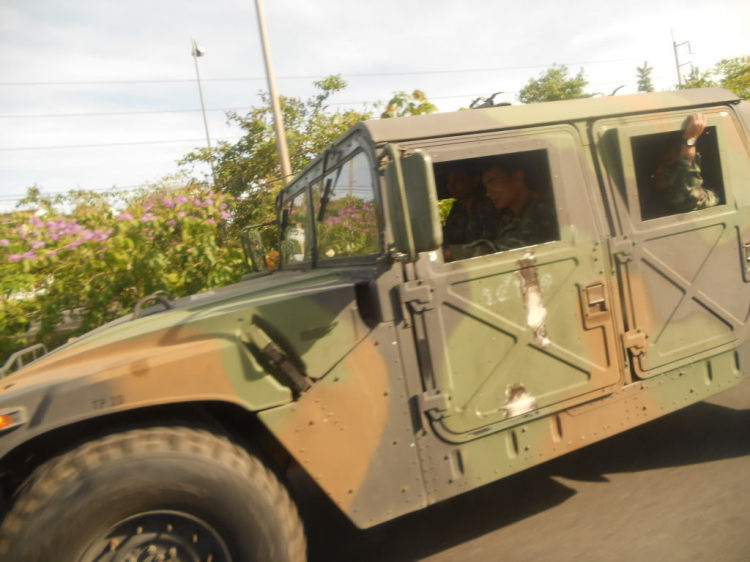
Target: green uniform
x=686, y=192
x=462, y=227
x=536, y=223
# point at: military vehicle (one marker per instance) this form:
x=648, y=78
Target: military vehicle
x=394, y=377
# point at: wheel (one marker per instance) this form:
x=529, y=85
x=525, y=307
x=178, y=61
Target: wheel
x=157, y=494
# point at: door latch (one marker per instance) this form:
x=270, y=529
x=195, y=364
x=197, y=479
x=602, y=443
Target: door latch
x=595, y=299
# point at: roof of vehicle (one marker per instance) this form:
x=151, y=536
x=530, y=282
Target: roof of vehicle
x=507, y=117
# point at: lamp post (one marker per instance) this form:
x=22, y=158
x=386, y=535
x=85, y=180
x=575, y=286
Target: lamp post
x=198, y=52
x=278, y=120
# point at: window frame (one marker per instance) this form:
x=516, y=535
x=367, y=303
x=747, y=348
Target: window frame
x=305, y=263
x=645, y=125
x=375, y=186
x=510, y=142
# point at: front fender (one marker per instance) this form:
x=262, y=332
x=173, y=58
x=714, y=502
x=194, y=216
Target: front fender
x=131, y=376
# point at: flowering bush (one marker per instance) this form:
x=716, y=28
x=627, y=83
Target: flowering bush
x=96, y=263
x=350, y=228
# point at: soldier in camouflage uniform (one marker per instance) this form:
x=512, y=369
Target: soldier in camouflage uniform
x=524, y=216
x=679, y=178
x=472, y=217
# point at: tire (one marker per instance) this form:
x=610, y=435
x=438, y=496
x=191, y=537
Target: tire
x=165, y=493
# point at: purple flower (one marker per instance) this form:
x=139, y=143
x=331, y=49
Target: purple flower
x=74, y=244
x=211, y=221
x=168, y=202
x=36, y=244
x=36, y=222
x=181, y=199
x=181, y=214
x=4, y=242
x=87, y=235
x=226, y=215
x=54, y=236
x=173, y=243
x=223, y=206
x=14, y=257
x=172, y=222
x=30, y=255
x=51, y=253
x=208, y=202
x=148, y=217
x=148, y=206
x=124, y=217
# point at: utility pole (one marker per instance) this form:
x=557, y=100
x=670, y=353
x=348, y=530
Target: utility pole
x=278, y=121
x=198, y=52
x=676, y=46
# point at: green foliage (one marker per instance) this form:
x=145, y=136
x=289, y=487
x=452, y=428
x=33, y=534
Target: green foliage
x=554, y=84
x=93, y=264
x=402, y=104
x=735, y=75
x=444, y=209
x=644, y=78
x=732, y=74
x=698, y=79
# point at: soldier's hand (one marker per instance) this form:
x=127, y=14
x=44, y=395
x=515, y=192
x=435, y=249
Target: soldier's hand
x=695, y=126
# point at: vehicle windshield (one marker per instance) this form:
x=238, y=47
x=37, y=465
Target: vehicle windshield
x=345, y=216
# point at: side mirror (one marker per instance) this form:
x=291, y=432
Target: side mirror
x=412, y=203
x=253, y=247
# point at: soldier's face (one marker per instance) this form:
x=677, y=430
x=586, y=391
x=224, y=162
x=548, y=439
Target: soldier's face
x=502, y=188
x=461, y=184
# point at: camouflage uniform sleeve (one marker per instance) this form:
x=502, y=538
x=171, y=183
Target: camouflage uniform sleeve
x=685, y=186
x=536, y=226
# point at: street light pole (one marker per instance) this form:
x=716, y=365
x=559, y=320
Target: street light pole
x=197, y=52
x=676, y=46
x=278, y=120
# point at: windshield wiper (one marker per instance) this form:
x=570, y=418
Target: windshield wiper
x=324, y=200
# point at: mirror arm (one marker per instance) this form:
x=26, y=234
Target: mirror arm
x=393, y=153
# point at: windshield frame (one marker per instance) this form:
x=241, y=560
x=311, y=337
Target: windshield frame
x=329, y=162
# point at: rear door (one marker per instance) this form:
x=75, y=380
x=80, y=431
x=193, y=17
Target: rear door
x=522, y=332
x=685, y=276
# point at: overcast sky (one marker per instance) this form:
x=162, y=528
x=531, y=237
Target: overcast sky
x=401, y=44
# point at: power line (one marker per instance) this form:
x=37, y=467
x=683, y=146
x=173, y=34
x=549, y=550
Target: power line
x=98, y=145
x=303, y=77
x=225, y=109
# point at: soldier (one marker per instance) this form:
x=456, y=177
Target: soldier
x=472, y=216
x=678, y=176
x=524, y=216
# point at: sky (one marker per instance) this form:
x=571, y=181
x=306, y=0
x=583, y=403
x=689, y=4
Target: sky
x=64, y=64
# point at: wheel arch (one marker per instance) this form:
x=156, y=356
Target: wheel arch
x=231, y=419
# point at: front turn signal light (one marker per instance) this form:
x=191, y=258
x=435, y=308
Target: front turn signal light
x=12, y=418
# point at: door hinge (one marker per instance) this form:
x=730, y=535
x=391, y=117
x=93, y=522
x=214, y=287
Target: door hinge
x=417, y=295
x=622, y=249
x=635, y=341
x=433, y=400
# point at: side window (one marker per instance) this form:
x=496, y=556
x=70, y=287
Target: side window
x=497, y=203
x=345, y=211
x=295, y=247
x=669, y=184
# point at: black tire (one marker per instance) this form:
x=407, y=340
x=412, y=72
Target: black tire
x=153, y=488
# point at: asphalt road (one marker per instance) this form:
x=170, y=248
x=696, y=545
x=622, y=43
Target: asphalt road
x=677, y=489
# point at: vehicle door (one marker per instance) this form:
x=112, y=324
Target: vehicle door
x=517, y=333
x=685, y=276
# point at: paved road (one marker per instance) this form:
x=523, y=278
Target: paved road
x=677, y=489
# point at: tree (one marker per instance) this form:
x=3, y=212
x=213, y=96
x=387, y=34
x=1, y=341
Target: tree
x=732, y=74
x=402, y=104
x=92, y=264
x=249, y=169
x=698, y=79
x=554, y=84
x=644, y=78
x=735, y=75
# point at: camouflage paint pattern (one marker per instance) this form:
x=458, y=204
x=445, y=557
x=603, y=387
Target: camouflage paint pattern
x=433, y=378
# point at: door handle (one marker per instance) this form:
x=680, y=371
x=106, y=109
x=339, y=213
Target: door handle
x=595, y=301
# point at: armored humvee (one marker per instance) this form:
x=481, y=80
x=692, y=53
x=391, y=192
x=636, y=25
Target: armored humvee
x=394, y=377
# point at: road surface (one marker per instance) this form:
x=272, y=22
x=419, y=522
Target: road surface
x=677, y=489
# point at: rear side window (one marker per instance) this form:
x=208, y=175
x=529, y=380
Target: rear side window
x=662, y=186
